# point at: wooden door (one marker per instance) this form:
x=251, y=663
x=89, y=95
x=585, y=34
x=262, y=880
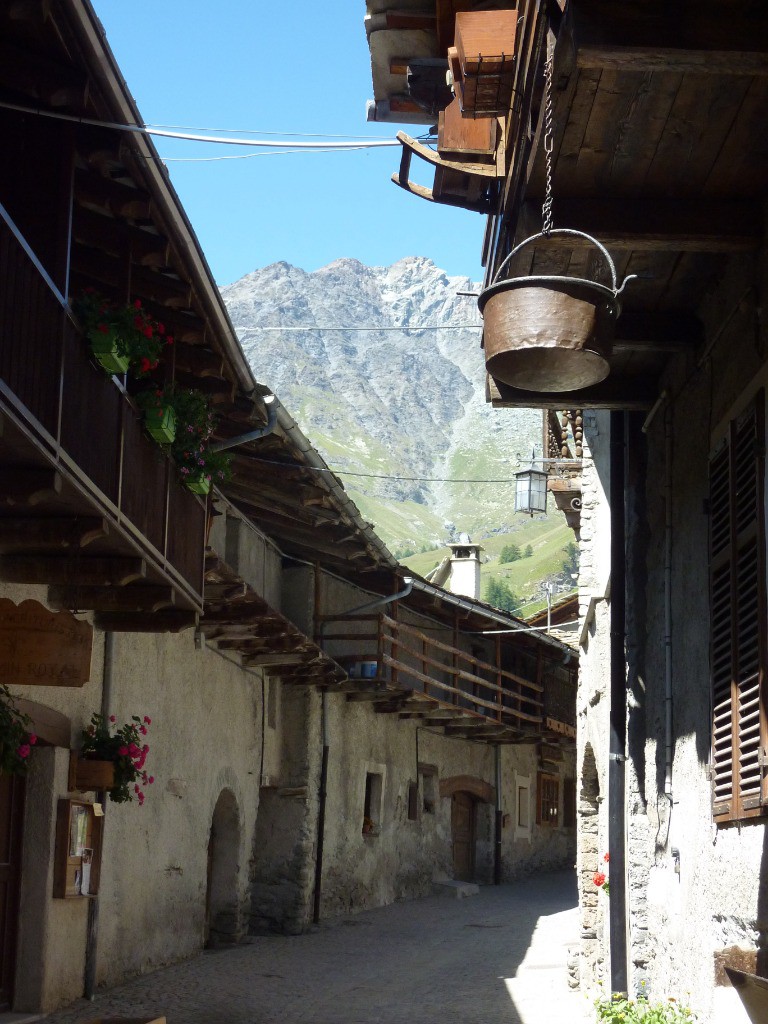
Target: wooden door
x=463, y=836
x=11, y=824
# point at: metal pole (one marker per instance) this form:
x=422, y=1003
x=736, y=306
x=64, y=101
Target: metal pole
x=618, y=709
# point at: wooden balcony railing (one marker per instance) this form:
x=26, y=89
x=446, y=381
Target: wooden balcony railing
x=85, y=423
x=404, y=669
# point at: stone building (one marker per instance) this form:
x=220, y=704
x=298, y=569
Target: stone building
x=638, y=127
x=324, y=734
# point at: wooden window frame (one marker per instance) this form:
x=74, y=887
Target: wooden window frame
x=547, y=799
x=738, y=620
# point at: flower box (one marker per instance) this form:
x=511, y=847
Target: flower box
x=160, y=424
x=198, y=483
x=104, y=345
x=93, y=775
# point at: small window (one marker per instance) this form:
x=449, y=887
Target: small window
x=428, y=776
x=413, y=801
x=272, y=698
x=548, y=801
x=372, y=804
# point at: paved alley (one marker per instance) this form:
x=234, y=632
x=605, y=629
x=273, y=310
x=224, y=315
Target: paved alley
x=494, y=958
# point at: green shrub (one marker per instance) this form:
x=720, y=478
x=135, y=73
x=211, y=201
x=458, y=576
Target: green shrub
x=621, y=1010
x=510, y=553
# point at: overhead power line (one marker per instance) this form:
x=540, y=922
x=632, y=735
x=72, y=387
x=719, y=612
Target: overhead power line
x=385, y=327
x=140, y=129
x=380, y=476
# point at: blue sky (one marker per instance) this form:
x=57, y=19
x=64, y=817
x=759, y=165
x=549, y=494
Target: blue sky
x=299, y=66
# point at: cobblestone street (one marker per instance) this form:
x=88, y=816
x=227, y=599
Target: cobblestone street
x=498, y=957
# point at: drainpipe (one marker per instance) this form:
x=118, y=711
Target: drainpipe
x=252, y=435
x=618, y=709
x=668, y=603
x=497, y=845
x=92, y=933
x=323, y=791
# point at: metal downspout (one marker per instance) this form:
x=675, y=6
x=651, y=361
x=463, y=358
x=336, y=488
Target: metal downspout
x=92, y=932
x=668, y=603
x=323, y=790
x=497, y=836
x=618, y=709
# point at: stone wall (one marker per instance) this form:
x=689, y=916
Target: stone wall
x=693, y=889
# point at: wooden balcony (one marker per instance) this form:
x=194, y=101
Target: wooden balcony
x=404, y=670
x=87, y=501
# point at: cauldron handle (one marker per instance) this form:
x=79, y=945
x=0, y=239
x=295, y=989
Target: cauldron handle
x=564, y=231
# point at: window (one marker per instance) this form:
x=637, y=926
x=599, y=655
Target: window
x=428, y=775
x=737, y=612
x=548, y=799
x=413, y=801
x=372, y=804
x=523, y=796
x=521, y=811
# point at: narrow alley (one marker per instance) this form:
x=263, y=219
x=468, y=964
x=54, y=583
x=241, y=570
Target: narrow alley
x=498, y=957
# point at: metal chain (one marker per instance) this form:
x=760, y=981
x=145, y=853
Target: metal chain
x=546, y=210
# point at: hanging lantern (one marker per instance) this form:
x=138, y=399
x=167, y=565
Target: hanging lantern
x=531, y=491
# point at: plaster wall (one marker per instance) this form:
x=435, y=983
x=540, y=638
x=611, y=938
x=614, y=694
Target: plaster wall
x=204, y=738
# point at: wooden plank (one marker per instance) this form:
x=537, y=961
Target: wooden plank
x=74, y=570
x=671, y=59
x=410, y=20
x=49, y=534
x=459, y=136
x=171, y=621
x=22, y=486
x=614, y=393
x=693, y=135
x=132, y=598
x=39, y=647
x=742, y=163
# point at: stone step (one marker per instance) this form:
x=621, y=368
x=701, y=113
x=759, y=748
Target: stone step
x=458, y=890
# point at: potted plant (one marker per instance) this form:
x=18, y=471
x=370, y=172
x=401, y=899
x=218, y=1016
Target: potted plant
x=159, y=414
x=199, y=467
x=123, y=751
x=122, y=337
x=16, y=739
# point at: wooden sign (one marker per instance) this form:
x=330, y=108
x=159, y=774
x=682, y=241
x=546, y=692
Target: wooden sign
x=43, y=648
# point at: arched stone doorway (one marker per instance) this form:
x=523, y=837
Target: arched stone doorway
x=222, y=909
x=465, y=792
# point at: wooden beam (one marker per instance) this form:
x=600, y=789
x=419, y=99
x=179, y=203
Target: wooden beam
x=133, y=598
x=174, y=620
x=634, y=59
x=74, y=570
x=631, y=393
x=113, y=235
x=411, y=20
x=32, y=74
x=280, y=660
x=48, y=534
x=648, y=225
x=20, y=486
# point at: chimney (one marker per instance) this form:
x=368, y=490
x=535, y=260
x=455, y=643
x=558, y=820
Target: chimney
x=465, y=567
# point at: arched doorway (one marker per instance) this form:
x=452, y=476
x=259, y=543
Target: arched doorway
x=466, y=792
x=222, y=909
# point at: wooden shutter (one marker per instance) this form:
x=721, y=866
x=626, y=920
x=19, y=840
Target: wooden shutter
x=737, y=603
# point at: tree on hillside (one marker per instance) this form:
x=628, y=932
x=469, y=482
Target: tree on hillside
x=571, y=560
x=498, y=594
x=528, y=551
x=510, y=553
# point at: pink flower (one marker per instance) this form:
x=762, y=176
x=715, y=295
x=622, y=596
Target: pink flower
x=145, y=749
x=151, y=779
x=112, y=718
x=32, y=738
x=123, y=751
x=23, y=751
x=133, y=750
x=141, y=799
x=137, y=303
x=147, y=719
x=137, y=788
x=607, y=857
x=143, y=730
